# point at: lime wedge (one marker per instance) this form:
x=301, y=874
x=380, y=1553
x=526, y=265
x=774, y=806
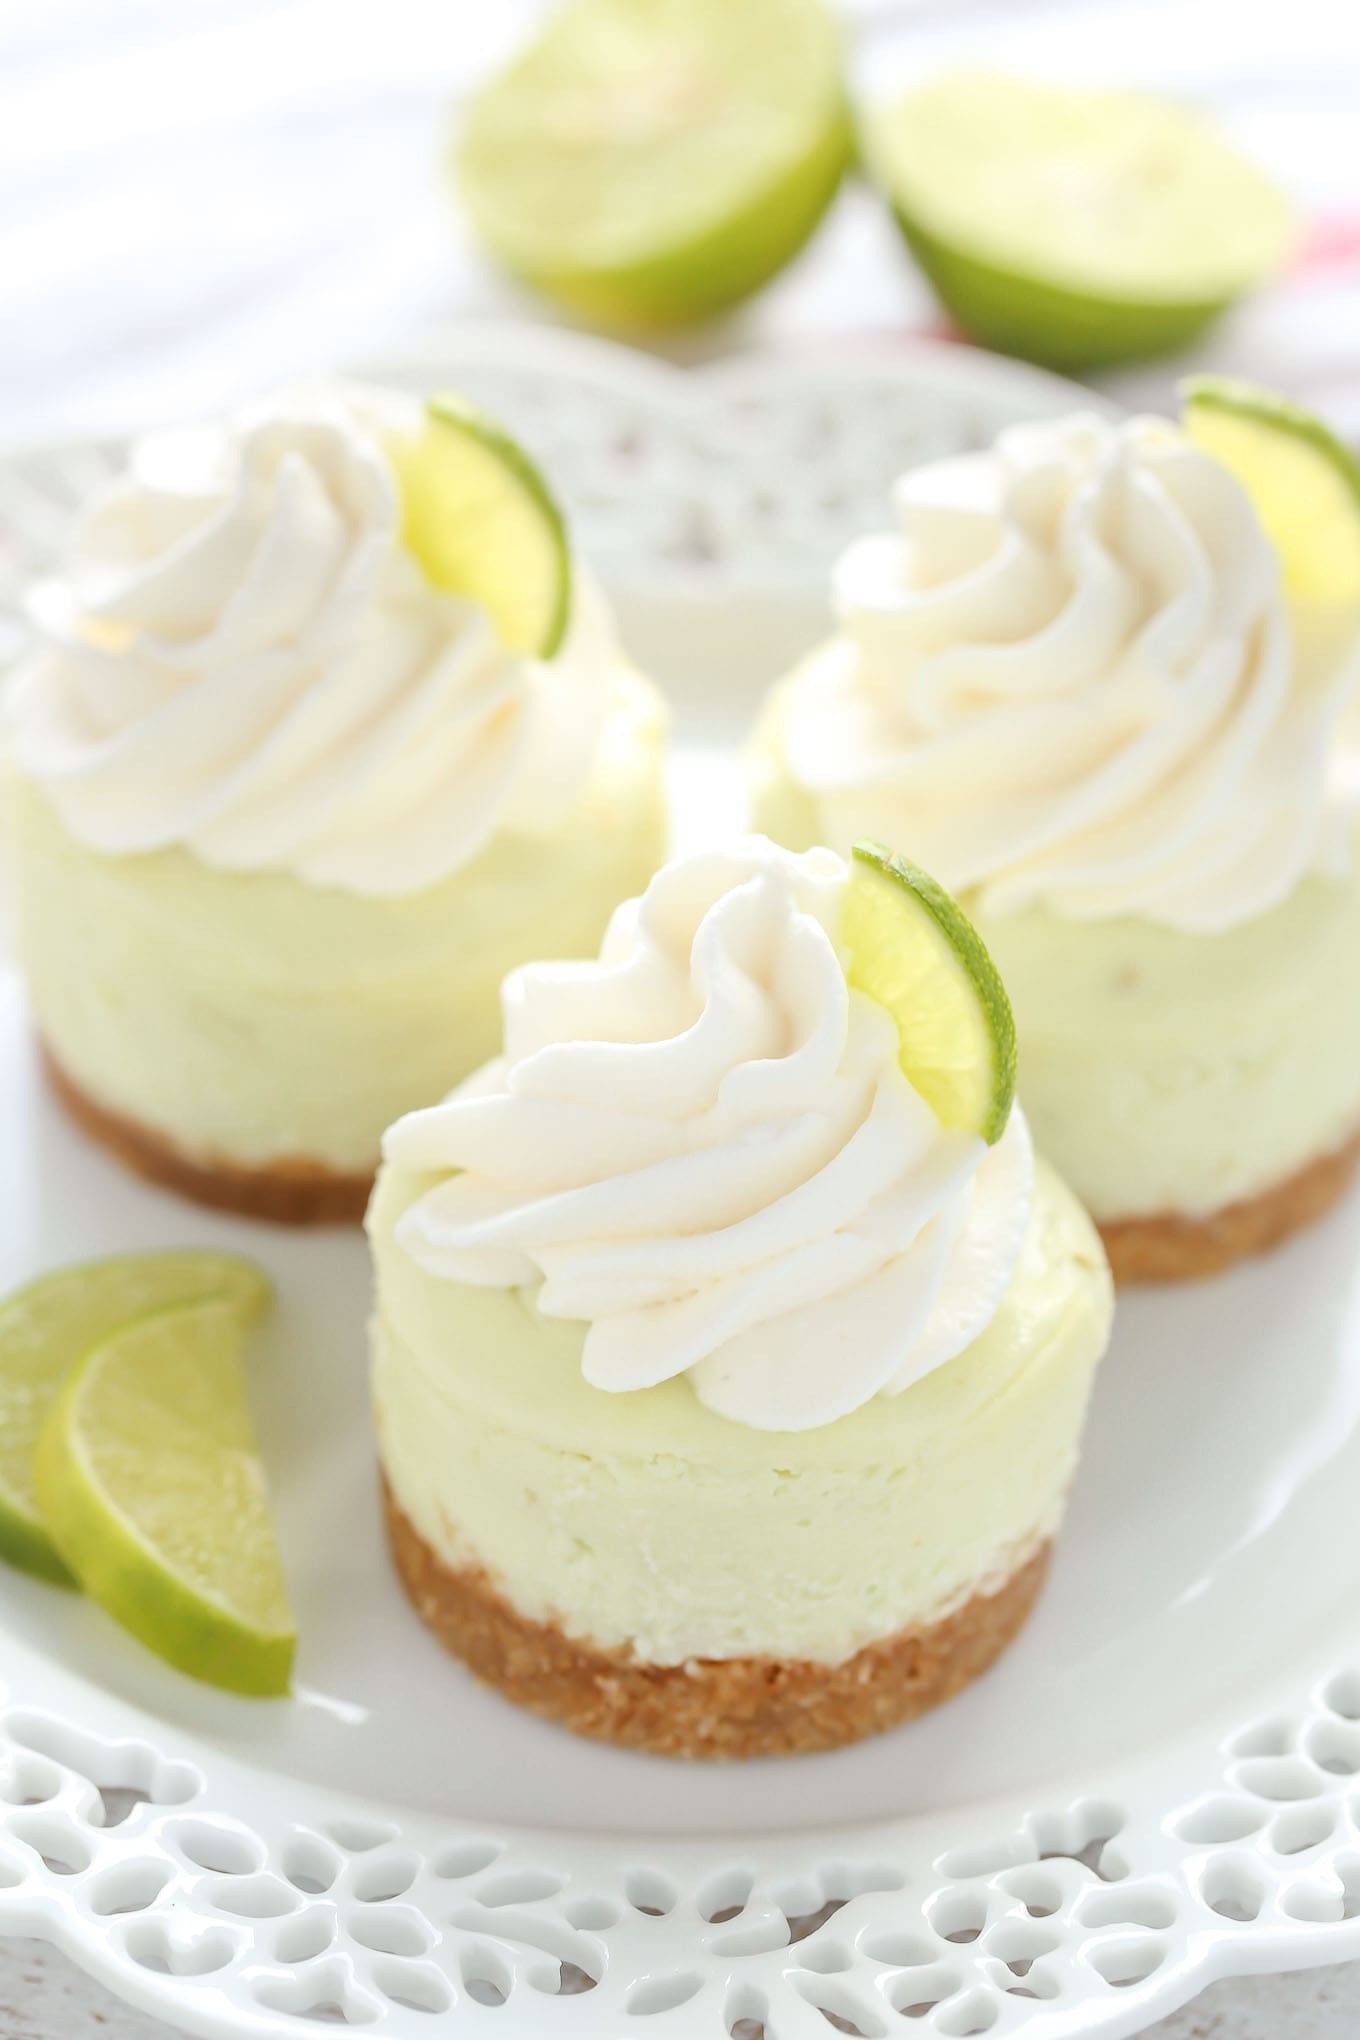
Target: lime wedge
x=1076, y=228
x=49, y=1326
x=649, y=162
x=913, y=949
x=1303, y=483
x=483, y=523
x=154, y=1495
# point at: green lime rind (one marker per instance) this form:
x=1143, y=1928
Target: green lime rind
x=25, y=1544
x=1068, y=331
x=714, y=271
x=48, y=1327
x=154, y=1494
x=540, y=513
x=650, y=163
x=482, y=520
x=1246, y=400
x=1303, y=481
x=912, y=948
x=1077, y=228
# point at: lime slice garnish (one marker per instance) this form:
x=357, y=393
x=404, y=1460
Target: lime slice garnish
x=483, y=523
x=48, y=1327
x=1303, y=483
x=651, y=161
x=913, y=949
x=1077, y=228
x=154, y=1494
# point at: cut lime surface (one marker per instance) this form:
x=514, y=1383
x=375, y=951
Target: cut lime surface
x=914, y=950
x=482, y=521
x=46, y=1328
x=1077, y=228
x=1303, y=483
x=649, y=162
x=154, y=1494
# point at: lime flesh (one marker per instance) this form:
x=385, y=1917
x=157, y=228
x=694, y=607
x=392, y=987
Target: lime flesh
x=483, y=523
x=154, y=1494
x=1077, y=228
x=912, y=949
x=649, y=162
x=1303, y=483
x=48, y=1327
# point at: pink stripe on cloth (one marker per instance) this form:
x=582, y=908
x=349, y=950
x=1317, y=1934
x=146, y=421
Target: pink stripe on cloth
x=1328, y=243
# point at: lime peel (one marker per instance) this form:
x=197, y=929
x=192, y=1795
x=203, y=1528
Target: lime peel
x=911, y=947
x=1078, y=228
x=154, y=1494
x=483, y=523
x=651, y=162
x=49, y=1326
x=1304, y=484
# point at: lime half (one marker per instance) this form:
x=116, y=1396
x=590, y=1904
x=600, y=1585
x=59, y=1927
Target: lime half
x=48, y=1327
x=154, y=1494
x=1303, y=483
x=483, y=522
x=1076, y=228
x=649, y=162
x=913, y=949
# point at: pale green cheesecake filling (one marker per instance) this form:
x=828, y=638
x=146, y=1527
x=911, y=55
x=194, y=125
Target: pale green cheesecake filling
x=643, y=1522
x=253, y=1017
x=1162, y=1071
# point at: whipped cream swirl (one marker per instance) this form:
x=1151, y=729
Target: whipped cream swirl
x=243, y=658
x=704, y=1146
x=1071, y=677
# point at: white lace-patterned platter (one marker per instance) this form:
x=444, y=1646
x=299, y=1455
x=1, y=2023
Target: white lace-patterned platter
x=1160, y=1785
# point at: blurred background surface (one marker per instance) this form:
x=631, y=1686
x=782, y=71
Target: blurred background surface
x=198, y=197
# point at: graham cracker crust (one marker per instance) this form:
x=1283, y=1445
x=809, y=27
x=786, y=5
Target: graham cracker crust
x=1171, y=1249
x=733, y=1707
x=291, y=1191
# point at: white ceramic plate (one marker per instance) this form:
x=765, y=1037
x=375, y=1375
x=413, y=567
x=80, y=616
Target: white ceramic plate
x=1157, y=1787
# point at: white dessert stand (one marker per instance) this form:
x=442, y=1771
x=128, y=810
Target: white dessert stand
x=1159, y=1786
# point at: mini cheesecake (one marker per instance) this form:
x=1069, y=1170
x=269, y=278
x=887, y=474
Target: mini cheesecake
x=281, y=813
x=726, y=1403
x=1072, y=678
